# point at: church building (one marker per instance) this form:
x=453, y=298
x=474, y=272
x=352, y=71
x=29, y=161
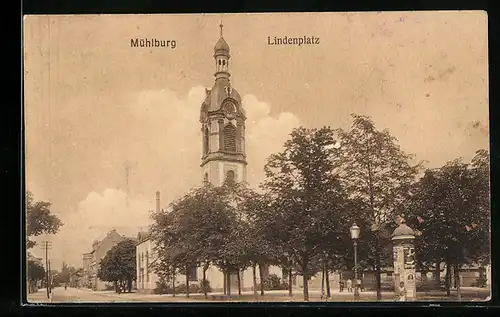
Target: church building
x=222, y=119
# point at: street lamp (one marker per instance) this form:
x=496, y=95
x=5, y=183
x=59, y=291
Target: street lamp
x=354, y=236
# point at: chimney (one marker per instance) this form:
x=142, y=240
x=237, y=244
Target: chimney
x=158, y=201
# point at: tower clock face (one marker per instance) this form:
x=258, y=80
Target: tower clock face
x=229, y=109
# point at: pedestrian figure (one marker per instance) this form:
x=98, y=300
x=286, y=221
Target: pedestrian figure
x=358, y=284
x=349, y=285
x=402, y=292
x=341, y=285
x=65, y=286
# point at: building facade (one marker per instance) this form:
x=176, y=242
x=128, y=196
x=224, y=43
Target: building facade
x=92, y=259
x=145, y=257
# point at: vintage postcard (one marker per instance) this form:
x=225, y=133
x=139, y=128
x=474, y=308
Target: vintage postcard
x=279, y=157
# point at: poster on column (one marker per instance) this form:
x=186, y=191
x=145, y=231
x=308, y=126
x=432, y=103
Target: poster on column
x=409, y=258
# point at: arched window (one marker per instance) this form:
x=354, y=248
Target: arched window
x=230, y=176
x=230, y=138
x=224, y=62
x=219, y=62
x=206, y=139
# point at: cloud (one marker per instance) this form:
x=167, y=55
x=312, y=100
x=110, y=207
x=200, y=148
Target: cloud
x=96, y=215
x=265, y=135
x=158, y=137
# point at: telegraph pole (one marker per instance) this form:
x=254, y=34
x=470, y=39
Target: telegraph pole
x=46, y=245
x=50, y=280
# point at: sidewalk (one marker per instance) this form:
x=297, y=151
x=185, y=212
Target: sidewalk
x=39, y=297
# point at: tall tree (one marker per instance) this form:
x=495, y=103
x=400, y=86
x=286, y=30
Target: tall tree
x=65, y=274
x=119, y=264
x=254, y=249
x=452, y=203
x=39, y=219
x=305, y=195
x=196, y=229
x=35, y=273
x=377, y=173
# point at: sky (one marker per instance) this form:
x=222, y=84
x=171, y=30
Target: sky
x=96, y=107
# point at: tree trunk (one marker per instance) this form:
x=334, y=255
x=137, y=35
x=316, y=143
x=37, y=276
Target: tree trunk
x=261, y=276
x=328, y=294
x=187, y=280
x=254, y=276
x=224, y=284
x=306, y=283
x=228, y=283
x=377, y=268
x=305, y=263
x=323, y=281
x=115, y=284
x=205, y=281
x=437, y=273
x=447, y=279
x=457, y=281
x=173, y=282
x=290, y=282
x=239, y=282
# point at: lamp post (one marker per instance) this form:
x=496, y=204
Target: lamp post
x=355, y=235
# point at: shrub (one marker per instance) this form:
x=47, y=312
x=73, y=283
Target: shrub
x=480, y=282
x=429, y=285
x=272, y=283
x=193, y=288
x=162, y=287
x=204, y=286
x=109, y=287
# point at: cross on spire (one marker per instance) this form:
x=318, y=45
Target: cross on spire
x=221, y=26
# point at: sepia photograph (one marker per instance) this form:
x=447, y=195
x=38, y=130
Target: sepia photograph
x=258, y=157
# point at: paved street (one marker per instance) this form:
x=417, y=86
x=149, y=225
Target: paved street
x=73, y=295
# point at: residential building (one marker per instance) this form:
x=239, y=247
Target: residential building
x=92, y=259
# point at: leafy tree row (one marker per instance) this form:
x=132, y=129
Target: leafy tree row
x=322, y=182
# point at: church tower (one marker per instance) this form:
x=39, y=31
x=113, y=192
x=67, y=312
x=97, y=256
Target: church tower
x=222, y=121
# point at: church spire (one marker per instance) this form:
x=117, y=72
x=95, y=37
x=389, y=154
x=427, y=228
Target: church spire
x=221, y=55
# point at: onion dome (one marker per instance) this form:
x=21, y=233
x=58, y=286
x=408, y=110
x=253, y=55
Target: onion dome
x=221, y=46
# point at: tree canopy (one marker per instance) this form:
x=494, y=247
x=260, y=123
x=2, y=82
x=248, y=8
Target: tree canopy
x=307, y=213
x=378, y=175
x=119, y=264
x=39, y=219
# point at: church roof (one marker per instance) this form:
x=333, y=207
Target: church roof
x=219, y=93
x=221, y=45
